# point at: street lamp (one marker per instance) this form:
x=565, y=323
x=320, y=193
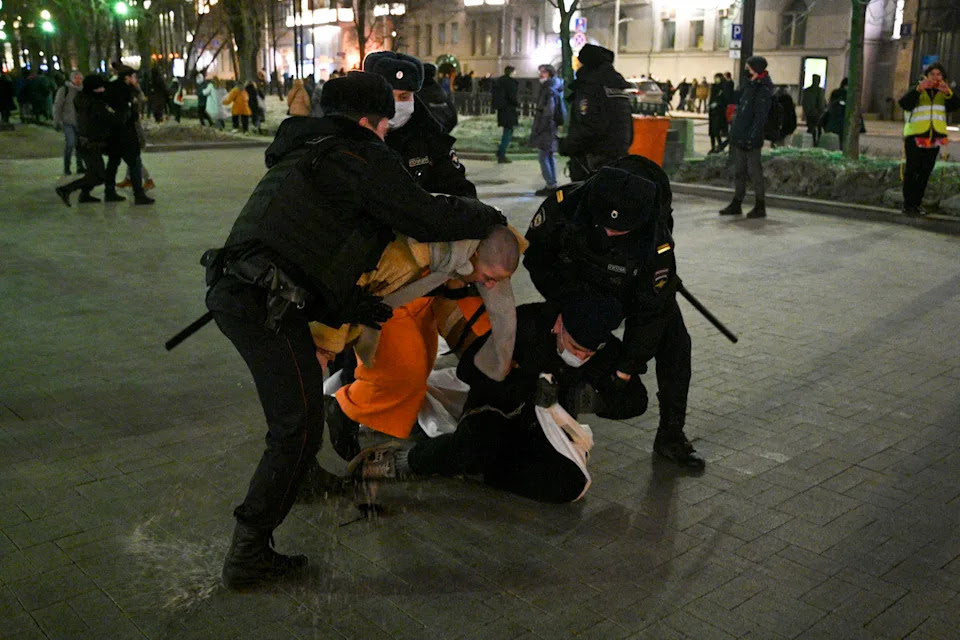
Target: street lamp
x=120, y=10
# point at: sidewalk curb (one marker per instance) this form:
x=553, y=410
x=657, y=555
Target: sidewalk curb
x=200, y=146
x=491, y=157
x=936, y=223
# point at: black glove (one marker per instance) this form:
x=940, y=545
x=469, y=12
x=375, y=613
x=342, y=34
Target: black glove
x=547, y=391
x=622, y=399
x=365, y=308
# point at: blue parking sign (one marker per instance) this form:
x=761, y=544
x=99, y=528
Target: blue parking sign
x=736, y=32
x=580, y=25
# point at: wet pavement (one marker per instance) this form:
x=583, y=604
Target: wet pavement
x=830, y=507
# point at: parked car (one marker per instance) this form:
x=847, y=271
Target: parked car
x=646, y=97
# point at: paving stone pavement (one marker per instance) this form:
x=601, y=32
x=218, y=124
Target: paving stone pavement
x=830, y=507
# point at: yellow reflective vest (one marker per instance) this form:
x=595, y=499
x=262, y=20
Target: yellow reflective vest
x=929, y=113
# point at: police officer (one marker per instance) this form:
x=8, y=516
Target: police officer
x=601, y=124
x=121, y=95
x=96, y=123
x=414, y=133
x=612, y=233
x=439, y=101
x=333, y=197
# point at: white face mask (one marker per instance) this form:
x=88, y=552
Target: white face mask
x=569, y=359
x=404, y=111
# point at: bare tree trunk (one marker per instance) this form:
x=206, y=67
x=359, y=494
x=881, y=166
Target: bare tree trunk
x=245, y=19
x=851, y=141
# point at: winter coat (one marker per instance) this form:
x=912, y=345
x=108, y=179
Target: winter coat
x=836, y=112
x=789, y=122
x=96, y=122
x=703, y=91
x=240, y=101
x=504, y=100
x=201, y=95
x=813, y=103
x=123, y=99
x=717, y=108
x=158, y=96
x=298, y=100
x=440, y=104
x=325, y=212
x=6, y=93
x=428, y=153
x=64, y=111
x=601, y=122
x=543, y=133
x=215, y=102
x=753, y=109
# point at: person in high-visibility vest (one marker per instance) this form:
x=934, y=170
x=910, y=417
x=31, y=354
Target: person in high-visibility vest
x=925, y=110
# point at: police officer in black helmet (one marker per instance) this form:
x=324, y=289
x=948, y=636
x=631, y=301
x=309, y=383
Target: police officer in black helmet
x=612, y=233
x=334, y=195
x=414, y=132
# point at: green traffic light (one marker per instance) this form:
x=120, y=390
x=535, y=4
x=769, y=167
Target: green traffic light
x=120, y=8
x=3, y=35
x=47, y=27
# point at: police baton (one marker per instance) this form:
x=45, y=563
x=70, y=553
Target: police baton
x=190, y=329
x=706, y=313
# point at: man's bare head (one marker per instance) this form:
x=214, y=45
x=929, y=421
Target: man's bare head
x=496, y=258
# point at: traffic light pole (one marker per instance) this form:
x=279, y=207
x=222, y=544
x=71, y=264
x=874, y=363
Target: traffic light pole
x=746, y=47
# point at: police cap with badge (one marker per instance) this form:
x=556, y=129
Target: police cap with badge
x=358, y=93
x=618, y=200
x=403, y=72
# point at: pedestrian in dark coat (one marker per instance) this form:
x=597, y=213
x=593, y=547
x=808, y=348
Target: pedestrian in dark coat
x=747, y=135
x=6, y=98
x=332, y=199
x=788, y=109
x=601, y=122
x=835, y=116
x=505, y=101
x=682, y=90
x=202, y=113
x=122, y=96
x=439, y=102
x=96, y=125
x=158, y=95
x=717, y=112
x=814, y=103
x=543, y=133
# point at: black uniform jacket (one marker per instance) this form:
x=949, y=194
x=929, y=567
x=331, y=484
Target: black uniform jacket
x=122, y=98
x=332, y=199
x=96, y=121
x=428, y=154
x=568, y=253
x=441, y=105
x=535, y=352
x=600, y=118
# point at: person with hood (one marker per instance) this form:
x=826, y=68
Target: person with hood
x=504, y=101
x=96, y=123
x=814, y=104
x=925, y=110
x=834, y=118
x=239, y=101
x=414, y=133
x=747, y=135
x=65, y=117
x=437, y=100
x=717, y=113
x=333, y=197
x=601, y=123
x=215, y=95
x=521, y=433
x=298, y=100
x=547, y=118
x=788, y=109
x=122, y=96
x=613, y=234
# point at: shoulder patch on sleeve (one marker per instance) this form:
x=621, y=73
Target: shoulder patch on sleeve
x=539, y=218
x=583, y=106
x=454, y=159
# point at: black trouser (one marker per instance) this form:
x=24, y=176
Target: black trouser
x=131, y=156
x=813, y=128
x=747, y=162
x=289, y=381
x=665, y=338
x=95, y=173
x=175, y=111
x=5, y=115
x=244, y=119
x=920, y=162
x=203, y=115
x=512, y=454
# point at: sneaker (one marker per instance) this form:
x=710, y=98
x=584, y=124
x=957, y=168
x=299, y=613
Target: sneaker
x=344, y=432
x=126, y=184
x=142, y=198
x=113, y=197
x=678, y=450
x=64, y=195
x=86, y=197
x=377, y=463
x=732, y=209
x=504, y=160
x=149, y=184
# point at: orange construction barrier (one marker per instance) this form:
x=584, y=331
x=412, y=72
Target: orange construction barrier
x=650, y=137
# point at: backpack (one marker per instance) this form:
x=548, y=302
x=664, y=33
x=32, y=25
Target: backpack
x=559, y=109
x=771, y=130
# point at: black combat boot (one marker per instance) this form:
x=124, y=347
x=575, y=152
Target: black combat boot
x=732, y=209
x=318, y=483
x=344, y=432
x=672, y=444
x=251, y=562
x=759, y=209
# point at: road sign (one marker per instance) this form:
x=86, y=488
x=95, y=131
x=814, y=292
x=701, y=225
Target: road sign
x=578, y=40
x=580, y=25
x=735, y=54
x=736, y=32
